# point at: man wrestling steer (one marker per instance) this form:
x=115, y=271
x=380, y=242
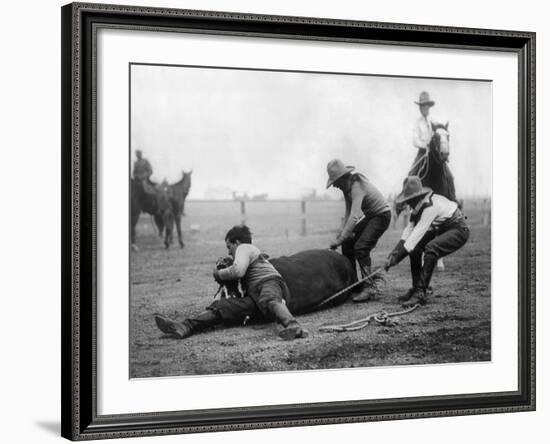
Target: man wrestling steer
x=274, y=289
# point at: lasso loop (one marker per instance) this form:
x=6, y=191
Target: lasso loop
x=382, y=318
x=423, y=164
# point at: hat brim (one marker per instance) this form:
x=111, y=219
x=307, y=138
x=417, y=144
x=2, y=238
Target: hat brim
x=348, y=168
x=401, y=198
x=429, y=103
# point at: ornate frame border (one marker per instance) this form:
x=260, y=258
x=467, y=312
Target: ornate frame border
x=79, y=410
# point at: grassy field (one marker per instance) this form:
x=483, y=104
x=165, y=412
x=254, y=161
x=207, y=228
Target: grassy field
x=454, y=327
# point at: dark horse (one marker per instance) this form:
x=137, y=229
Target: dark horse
x=432, y=166
x=154, y=202
x=176, y=194
x=164, y=202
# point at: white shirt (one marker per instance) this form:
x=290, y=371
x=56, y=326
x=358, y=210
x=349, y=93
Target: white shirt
x=435, y=210
x=422, y=132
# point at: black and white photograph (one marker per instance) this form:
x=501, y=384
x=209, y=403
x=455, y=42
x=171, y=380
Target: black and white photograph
x=292, y=220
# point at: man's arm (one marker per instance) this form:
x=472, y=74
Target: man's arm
x=357, y=195
x=240, y=265
x=420, y=228
x=148, y=168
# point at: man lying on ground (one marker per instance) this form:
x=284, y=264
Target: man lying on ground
x=275, y=289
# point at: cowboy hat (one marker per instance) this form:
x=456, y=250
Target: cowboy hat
x=336, y=169
x=412, y=187
x=424, y=99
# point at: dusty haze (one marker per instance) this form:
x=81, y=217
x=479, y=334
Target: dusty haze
x=274, y=132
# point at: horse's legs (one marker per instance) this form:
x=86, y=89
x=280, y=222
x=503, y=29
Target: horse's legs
x=178, y=228
x=159, y=223
x=168, y=227
x=135, y=212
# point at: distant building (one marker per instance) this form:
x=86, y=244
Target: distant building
x=218, y=193
x=259, y=196
x=240, y=195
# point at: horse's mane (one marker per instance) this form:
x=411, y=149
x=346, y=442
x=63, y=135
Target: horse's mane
x=437, y=125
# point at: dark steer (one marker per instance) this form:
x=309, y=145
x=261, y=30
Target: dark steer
x=311, y=276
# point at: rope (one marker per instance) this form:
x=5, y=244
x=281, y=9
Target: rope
x=382, y=318
x=424, y=162
x=349, y=287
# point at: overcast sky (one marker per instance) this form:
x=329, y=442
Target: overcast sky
x=274, y=132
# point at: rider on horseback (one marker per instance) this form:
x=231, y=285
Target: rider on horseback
x=143, y=172
x=422, y=130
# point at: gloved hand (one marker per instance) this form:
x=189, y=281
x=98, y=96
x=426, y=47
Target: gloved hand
x=390, y=262
x=396, y=256
x=335, y=244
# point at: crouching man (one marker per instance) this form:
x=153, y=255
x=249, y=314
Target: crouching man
x=266, y=292
x=436, y=229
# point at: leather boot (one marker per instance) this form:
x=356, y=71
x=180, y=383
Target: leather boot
x=430, y=262
x=292, y=329
x=369, y=289
x=177, y=330
x=182, y=330
x=208, y=318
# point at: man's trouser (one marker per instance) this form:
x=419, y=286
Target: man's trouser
x=366, y=235
x=434, y=245
x=266, y=302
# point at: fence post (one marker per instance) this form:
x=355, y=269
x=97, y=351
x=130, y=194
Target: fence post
x=304, y=227
x=243, y=213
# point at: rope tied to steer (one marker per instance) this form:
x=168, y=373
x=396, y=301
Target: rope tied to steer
x=382, y=318
x=349, y=287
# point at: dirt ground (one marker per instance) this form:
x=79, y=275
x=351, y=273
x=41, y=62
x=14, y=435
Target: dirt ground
x=455, y=326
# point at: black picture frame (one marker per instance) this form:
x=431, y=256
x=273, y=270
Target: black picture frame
x=80, y=420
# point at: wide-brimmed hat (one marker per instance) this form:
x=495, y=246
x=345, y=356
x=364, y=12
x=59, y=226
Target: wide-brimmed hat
x=424, y=99
x=336, y=169
x=412, y=187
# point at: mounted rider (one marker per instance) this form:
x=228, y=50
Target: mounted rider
x=142, y=172
x=423, y=132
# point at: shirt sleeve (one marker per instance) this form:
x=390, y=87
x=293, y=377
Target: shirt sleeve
x=240, y=264
x=355, y=212
x=420, y=229
x=407, y=231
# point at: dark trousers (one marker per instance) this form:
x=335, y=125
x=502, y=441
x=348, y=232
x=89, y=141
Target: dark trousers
x=365, y=237
x=434, y=245
x=266, y=302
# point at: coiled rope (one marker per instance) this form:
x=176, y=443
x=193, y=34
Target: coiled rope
x=382, y=318
x=423, y=164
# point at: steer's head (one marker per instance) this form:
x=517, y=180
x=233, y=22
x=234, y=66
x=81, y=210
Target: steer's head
x=230, y=289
